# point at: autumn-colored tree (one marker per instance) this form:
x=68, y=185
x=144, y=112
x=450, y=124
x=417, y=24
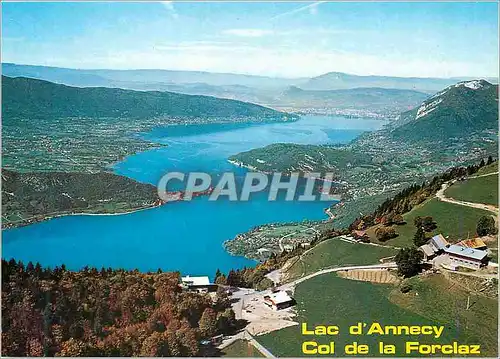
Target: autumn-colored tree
x=208, y=323
x=73, y=348
x=156, y=345
x=385, y=233
x=47, y=312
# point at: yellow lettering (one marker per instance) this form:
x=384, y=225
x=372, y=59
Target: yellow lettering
x=332, y=330
x=320, y=330
x=375, y=328
x=438, y=331
x=323, y=349
x=411, y=346
x=474, y=349
x=305, y=331
x=307, y=350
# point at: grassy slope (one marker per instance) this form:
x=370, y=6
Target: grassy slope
x=452, y=220
x=449, y=307
x=488, y=169
x=334, y=253
x=241, y=349
x=328, y=299
x=478, y=190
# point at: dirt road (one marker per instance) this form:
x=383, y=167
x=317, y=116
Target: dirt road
x=442, y=197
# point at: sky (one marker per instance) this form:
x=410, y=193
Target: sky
x=280, y=39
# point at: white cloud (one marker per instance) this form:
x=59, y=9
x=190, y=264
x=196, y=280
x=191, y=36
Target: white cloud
x=247, y=32
x=169, y=5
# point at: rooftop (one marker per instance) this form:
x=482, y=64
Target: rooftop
x=427, y=249
x=188, y=280
x=472, y=243
x=280, y=297
x=439, y=242
x=477, y=254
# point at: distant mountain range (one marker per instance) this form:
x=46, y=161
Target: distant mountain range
x=268, y=91
x=339, y=80
x=456, y=112
x=373, y=99
x=142, y=79
x=26, y=97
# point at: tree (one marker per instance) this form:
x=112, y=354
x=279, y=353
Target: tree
x=408, y=261
x=73, y=348
x=427, y=223
x=490, y=160
x=226, y=322
x=218, y=273
x=156, y=345
x=485, y=226
x=387, y=220
x=385, y=233
x=419, y=238
x=398, y=219
x=221, y=280
x=208, y=323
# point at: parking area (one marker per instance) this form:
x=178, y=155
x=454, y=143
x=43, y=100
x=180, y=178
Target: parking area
x=249, y=305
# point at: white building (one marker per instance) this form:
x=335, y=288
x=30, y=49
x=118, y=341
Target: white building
x=279, y=300
x=466, y=257
x=198, y=284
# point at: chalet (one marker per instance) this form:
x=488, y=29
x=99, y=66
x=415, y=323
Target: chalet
x=428, y=251
x=438, y=243
x=198, y=284
x=466, y=257
x=279, y=300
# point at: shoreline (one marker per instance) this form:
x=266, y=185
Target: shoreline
x=42, y=218
x=249, y=167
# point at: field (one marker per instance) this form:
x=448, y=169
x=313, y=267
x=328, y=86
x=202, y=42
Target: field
x=373, y=276
x=446, y=301
x=457, y=222
x=330, y=300
x=488, y=169
x=478, y=190
x=241, y=349
x=333, y=253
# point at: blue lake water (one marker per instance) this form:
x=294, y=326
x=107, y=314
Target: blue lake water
x=183, y=236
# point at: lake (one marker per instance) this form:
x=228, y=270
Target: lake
x=181, y=236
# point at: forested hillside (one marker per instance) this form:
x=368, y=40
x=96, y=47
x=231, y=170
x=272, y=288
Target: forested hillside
x=32, y=196
x=456, y=112
x=56, y=312
x=25, y=97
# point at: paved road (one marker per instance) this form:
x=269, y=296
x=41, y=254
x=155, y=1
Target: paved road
x=292, y=284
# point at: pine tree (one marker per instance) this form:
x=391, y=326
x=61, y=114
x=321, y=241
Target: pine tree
x=419, y=239
x=208, y=323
